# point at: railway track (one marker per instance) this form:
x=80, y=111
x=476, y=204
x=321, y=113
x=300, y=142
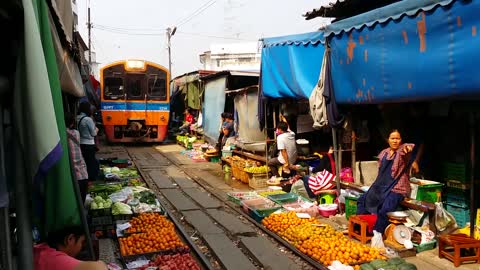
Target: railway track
x=218, y=232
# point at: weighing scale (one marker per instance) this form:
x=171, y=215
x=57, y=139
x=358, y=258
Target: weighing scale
x=397, y=233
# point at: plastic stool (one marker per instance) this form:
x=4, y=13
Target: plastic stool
x=326, y=198
x=362, y=236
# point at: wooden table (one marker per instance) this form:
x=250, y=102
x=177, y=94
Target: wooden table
x=250, y=155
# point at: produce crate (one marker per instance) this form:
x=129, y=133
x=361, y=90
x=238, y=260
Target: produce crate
x=427, y=192
x=151, y=255
x=122, y=217
x=461, y=214
x=350, y=206
x=259, y=208
x=257, y=180
x=282, y=199
x=104, y=231
x=455, y=171
x=425, y=246
x=102, y=212
x=457, y=184
x=100, y=221
x=238, y=197
x=457, y=197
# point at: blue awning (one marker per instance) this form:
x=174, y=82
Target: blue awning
x=429, y=53
x=291, y=65
x=382, y=15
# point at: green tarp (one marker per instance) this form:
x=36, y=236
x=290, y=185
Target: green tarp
x=40, y=120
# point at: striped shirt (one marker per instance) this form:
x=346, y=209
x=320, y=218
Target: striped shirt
x=76, y=158
x=399, y=170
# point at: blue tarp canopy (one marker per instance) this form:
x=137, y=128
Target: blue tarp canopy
x=291, y=65
x=403, y=52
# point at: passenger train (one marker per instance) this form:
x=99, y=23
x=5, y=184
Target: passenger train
x=135, y=101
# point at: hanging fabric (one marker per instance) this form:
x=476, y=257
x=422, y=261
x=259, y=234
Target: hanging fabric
x=318, y=108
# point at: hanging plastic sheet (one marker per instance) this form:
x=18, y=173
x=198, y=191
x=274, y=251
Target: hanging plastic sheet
x=214, y=104
x=248, y=129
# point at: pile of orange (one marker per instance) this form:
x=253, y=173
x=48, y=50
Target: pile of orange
x=330, y=247
x=279, y=223
x=147, y=221
x=319, y=241
x=298, y=234
x=151, y=232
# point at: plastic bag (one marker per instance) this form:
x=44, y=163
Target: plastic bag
x=377, y=240
x=122, y=195
x=299, y=188
x=443, y=219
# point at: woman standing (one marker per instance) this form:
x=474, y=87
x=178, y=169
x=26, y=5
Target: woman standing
x=88, y=131
x=392, y=184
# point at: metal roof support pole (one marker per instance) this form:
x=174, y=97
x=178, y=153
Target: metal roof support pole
x=472, y=174
x=23, y=211
x=336, y=156
x=6, y=244
x=6, y=241
x=83, y=216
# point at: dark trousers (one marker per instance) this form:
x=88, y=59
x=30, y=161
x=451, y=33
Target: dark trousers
x=83, y=186
x=273, y=164
x=389, y=205
x=88, y=153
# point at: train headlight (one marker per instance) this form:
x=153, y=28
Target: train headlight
x=135, y=65
x=154, y=129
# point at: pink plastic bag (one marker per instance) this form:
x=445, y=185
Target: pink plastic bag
x=346, y=175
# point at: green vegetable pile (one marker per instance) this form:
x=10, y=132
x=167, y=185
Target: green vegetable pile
x=146, y=197
x=119, y=208
x=100, y=203
x=392, y=264
x=104, y=190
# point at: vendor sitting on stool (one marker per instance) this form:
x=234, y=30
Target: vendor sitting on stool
x=392, y=184
x=287, y=150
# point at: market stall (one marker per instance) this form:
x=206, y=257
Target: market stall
x=122, y=208
x=301, y=225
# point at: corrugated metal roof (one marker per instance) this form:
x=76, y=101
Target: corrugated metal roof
x=341, y=9
x=232, y=73
x=298, y=39
x=382, y=15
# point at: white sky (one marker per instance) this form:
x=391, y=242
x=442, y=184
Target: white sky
x=126, y=29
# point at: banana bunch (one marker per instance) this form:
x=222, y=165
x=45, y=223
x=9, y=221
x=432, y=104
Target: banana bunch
x=260, y=169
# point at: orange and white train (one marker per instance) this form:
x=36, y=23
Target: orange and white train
x=135, y=101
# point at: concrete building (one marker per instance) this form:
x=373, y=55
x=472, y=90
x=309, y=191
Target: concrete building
x=235, y=56
x=75, y=15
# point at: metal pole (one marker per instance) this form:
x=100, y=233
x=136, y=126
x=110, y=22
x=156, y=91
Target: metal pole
x=169, y=36
x=6, y=240
x=266, y=134
x=354, y=151
x=83, y=217
x=336, y=157
x=89, y=24
x=24, y=222
x=472, y=175
x=6, y=244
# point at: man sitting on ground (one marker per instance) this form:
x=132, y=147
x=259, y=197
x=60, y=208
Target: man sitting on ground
x=287, y=150
x=60, y=251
